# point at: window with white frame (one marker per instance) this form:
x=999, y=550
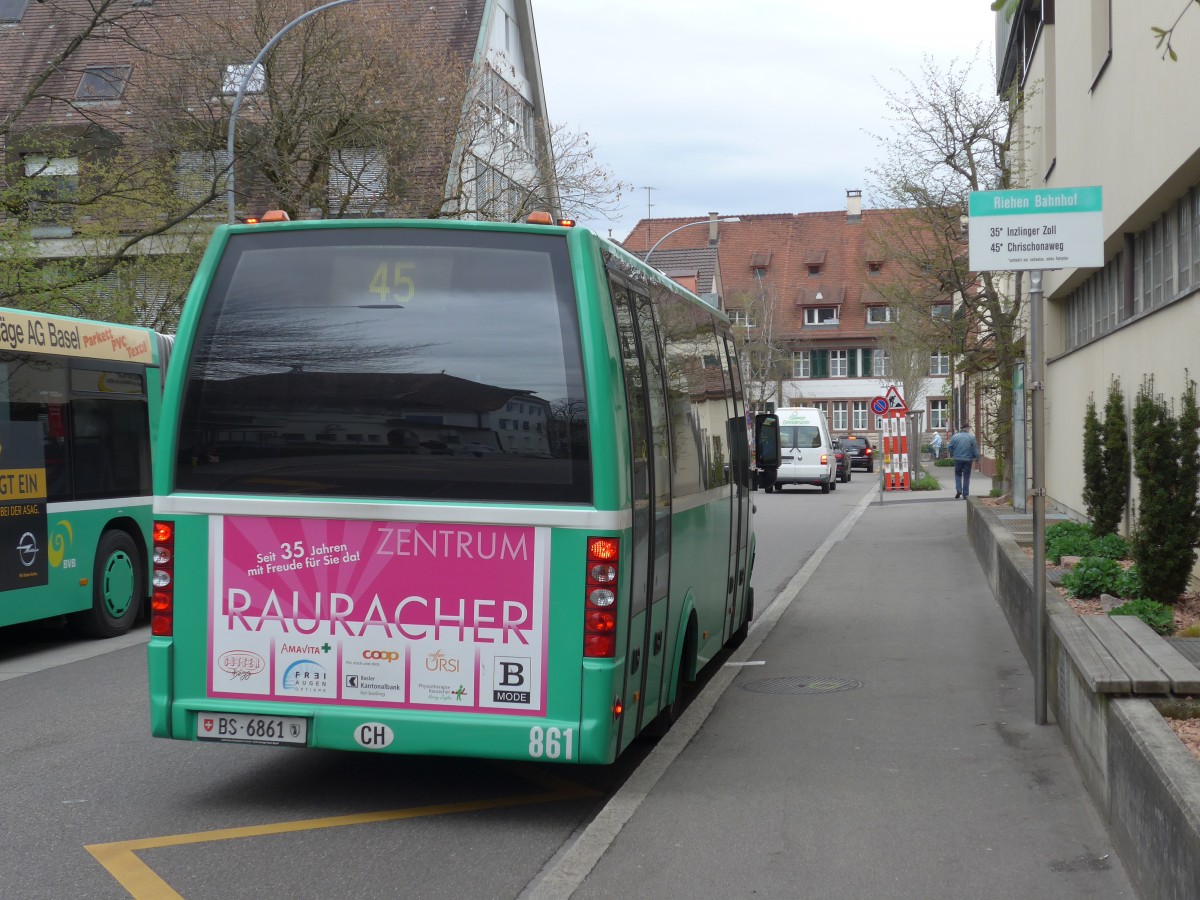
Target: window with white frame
x=939, y=363
x=938, y=417
x=802, y=364
x=237, y=73
x=821, y=315
x=742, y=318
x=840, y=415
x=858, y=415
x=881, y=365
x=880, y=315
x=838, y=366
x=55, y=181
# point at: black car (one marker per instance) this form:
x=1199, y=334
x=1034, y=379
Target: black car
x=843, y=461
x=859, y=451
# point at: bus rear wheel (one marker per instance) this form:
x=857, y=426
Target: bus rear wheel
x=117, y=588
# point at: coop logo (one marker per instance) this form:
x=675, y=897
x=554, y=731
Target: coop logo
x=385, y=655
x=510, y=680
x=241, y=664
x=305, y=676
x=27, y=549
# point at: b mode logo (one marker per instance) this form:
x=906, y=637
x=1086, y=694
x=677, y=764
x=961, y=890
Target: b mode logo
x=373, y=735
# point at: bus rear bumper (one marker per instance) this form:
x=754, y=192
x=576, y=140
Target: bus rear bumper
x=404, y=732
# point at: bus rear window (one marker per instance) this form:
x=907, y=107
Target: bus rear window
x=388, y=362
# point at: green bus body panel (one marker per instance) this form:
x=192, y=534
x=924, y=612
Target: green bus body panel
x=74, y=528
x=580, y=692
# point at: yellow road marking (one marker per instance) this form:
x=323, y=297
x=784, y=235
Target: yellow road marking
x=121, y=860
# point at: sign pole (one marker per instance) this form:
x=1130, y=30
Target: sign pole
x=1037, y=386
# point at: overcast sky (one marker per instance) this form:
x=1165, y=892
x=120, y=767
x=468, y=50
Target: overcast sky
x=743, y=106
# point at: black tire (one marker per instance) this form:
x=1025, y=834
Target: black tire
x=739, y=636
x=670, y=713
x=825, y=487
x=833, y=485
x=871, y=468
x=118, y=588
x=849, y=472
x=778, y=488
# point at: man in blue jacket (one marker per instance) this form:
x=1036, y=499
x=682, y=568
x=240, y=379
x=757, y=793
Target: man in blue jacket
x=964, y=451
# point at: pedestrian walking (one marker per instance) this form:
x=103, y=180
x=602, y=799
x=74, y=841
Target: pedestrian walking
x=964, y=451
x=935, y=446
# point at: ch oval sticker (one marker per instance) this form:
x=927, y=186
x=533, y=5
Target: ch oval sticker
x=373, y=735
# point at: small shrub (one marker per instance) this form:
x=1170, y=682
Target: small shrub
x=945, y=463
x=1157, y=615
x=925, y=483
x=1110, y=546
x=1190, y=631
x=1067, y=539
x=1092, y=577
x=1129, y=583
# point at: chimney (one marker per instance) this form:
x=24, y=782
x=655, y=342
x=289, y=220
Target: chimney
x=712, y=229
x=853, y=206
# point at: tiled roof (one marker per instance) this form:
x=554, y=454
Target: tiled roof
x=700, y=261
x=840, y=245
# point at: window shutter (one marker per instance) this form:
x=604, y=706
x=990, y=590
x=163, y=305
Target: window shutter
x=820, y=364
x=852, y=363
x=868, y=356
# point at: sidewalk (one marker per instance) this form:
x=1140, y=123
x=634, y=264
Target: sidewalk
x=884, y=748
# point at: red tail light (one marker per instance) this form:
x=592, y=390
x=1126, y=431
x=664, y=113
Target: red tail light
x=600, y=601
x=162, y=601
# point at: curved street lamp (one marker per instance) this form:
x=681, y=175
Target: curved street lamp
x=250, y=70
x=646, y=258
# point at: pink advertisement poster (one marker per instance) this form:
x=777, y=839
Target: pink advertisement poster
x=394, y=614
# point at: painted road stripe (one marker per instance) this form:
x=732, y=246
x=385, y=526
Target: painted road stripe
x=143, y=883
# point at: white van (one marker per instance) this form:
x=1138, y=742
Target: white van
x=807, y=449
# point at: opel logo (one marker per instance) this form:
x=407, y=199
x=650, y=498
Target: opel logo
x=28, y=549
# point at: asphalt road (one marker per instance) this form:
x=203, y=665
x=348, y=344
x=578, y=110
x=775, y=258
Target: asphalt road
x=90, y=797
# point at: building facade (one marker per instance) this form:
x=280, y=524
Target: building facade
x=1105, y=105
x=114, y=126
x=810, y=290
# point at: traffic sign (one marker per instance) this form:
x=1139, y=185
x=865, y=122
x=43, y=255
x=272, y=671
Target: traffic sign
x=879, y=406
x=1047, y=228
x=895, y=402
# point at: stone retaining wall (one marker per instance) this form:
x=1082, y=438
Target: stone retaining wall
x=1143, y=780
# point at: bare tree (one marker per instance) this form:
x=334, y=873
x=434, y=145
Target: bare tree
x=948, y=142
x=765, y=362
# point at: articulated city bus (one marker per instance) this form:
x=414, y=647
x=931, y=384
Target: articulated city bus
x=78, y=410
x=452, y=488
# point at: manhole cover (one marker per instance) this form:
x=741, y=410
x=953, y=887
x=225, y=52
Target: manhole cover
x=802, y=685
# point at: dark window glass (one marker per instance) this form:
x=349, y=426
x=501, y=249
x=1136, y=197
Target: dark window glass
x=415, y=339
x=103, y=83
x=96, y=437
x=12, y=10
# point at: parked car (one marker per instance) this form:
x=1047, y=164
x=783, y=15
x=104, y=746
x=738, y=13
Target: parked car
x=842, y=460
x=859, y=451
x=807, y=449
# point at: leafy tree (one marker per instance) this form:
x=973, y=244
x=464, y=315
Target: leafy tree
x=1115, y=486
x=950, y=141
x=1165, y=451
x=1093, y=462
